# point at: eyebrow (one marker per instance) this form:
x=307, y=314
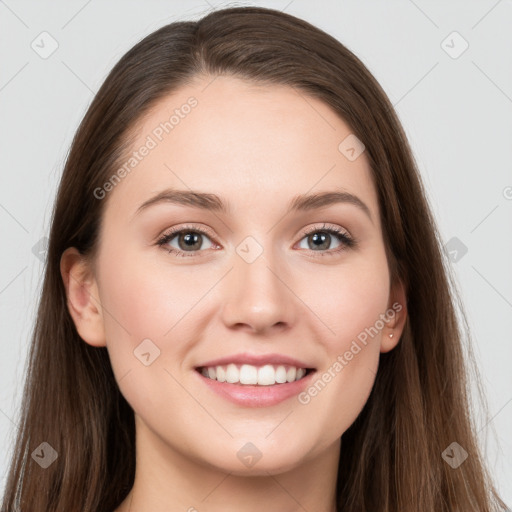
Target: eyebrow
x=212, y=202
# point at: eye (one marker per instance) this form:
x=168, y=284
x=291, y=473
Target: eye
x=319, y=239
x=188, y=240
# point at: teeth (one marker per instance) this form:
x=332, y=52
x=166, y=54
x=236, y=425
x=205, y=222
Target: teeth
x=248, y=374
x=266, y=375
x=281, y=375
x=221, y=374
x=232, y=374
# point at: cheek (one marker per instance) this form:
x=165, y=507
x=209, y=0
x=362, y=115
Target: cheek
x=143, y=302
x=138, y=305
x=350, y=301
x=144, y=298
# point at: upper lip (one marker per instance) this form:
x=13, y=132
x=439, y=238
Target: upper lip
x=256, y=360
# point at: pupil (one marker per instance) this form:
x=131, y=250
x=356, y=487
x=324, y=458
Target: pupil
x=190, y=240
x=322, y=238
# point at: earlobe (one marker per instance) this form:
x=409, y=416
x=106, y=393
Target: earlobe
x=82, y=297
x=396, y=315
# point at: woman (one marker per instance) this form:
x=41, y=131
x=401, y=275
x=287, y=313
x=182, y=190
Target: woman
x=245, y=304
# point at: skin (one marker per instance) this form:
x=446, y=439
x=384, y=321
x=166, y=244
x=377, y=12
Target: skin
x=257, y=147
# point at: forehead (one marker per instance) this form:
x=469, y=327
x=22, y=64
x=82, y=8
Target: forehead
x=243, y=141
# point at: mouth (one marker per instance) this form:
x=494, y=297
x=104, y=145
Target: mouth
x=251, y=375
x=261, y=384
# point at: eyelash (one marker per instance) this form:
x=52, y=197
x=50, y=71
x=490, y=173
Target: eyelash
x=347, y=242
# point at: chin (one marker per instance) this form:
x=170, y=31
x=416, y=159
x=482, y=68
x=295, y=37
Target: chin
x=258, y=459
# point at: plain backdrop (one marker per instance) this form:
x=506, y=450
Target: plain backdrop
x=446, y=67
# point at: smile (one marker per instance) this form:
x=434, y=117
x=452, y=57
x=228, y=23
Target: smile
x=250, y=375
x=249, y=380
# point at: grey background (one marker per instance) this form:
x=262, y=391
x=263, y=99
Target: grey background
x=456, y=113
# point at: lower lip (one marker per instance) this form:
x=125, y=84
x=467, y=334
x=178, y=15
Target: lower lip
x=257, y=396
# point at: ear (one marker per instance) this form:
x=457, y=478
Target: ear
x=396, y=314
x=82, y=297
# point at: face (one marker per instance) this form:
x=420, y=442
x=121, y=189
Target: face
x=253, y=282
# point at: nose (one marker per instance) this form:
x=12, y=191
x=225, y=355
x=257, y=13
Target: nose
x=258, y=298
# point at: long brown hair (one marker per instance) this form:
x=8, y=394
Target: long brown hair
x=391, y=457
